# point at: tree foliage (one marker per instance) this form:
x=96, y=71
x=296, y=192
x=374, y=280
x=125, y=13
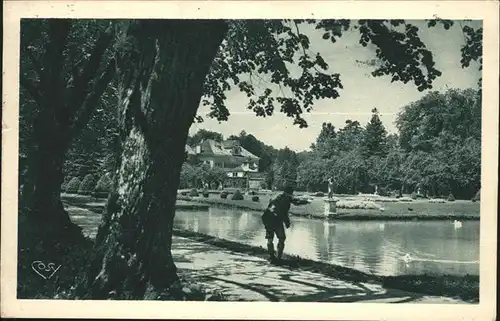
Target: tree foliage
x=267, y=50
x=266, y=153
x=375, y=137
x=285, y=169
x=438, y=150
x=202, y=135
x=65, y=67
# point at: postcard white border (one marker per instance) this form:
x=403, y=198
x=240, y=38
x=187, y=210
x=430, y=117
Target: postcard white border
x=484, y=10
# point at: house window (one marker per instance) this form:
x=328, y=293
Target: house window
x=236, y=150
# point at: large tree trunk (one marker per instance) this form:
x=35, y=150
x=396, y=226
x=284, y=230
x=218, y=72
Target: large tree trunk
x=161, y=78
x=47, y=210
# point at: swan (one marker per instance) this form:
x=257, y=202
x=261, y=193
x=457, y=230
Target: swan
x=457, y=224
x=407, y=258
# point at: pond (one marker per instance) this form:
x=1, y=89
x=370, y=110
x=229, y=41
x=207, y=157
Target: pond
x=376, y=247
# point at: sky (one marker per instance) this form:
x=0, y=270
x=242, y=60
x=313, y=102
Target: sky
x=361, y=92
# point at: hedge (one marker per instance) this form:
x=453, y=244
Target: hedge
x=103, y=186
x=65, y=182
x=237, y=196
x=88, y=184
x=73, y=186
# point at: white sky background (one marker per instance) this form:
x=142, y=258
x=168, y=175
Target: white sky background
x=361, y=92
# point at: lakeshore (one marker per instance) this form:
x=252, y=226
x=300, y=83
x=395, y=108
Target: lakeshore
x=392, y=209
x=464, y=288
x=384, y=209
x=403, y=288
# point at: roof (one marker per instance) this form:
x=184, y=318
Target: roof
x=213, y=147
x=236, y=169
x=225, y=148
x=189, y=150
x=230, y=143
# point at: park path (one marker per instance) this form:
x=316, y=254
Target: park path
x=242, y=277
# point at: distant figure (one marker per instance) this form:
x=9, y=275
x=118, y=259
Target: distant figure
x=275, y=215
x=330, y=187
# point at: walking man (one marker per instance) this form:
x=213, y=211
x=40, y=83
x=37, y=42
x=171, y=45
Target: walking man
x=275, y=216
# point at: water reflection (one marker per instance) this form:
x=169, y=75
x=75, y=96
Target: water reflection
x=374, y=247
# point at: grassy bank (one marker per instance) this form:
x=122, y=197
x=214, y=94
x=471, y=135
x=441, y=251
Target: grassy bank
x=403, y=211
x=465, y=288
x=97, y=205
x=396, y=211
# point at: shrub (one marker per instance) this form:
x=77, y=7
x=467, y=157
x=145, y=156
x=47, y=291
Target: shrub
x=383, y=192
x=255, y=198
x=477, y=197
x=193, y=193
x=205, y=193
x=88, y=185
x=223, y=195
x=73, y=186
x=415, y=196
x=237, y=196
x=363, y=205
x=451, y=198
x=103, y=186
x=319, y=194
x=65, y=182
x=184, y=193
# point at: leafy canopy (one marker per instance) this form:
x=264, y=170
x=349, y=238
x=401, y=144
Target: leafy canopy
x=267, y=50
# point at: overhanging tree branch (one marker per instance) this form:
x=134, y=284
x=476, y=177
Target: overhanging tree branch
x=91, y=101
x=82, y=81
x=31, y=88
x=36, y=63
x=53, y=59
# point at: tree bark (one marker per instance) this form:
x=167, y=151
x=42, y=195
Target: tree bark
x=47, y=210
x=56, y=123
x=160, y=78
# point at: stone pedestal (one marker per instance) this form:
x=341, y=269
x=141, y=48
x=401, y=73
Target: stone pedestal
x=330, y=207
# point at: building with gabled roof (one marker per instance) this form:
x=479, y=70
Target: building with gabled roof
x=230, y=156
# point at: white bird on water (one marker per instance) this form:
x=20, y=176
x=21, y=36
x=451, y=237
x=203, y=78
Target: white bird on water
x=457, y=224
x=407, y=258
